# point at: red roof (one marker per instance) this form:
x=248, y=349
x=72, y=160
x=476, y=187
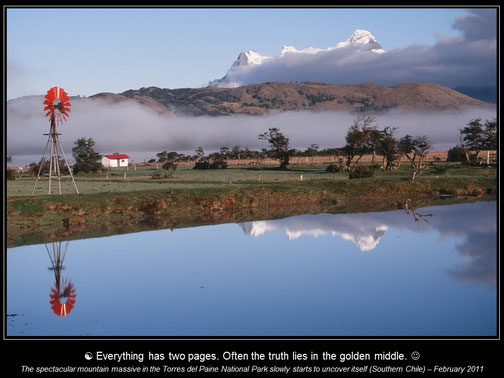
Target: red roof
x=117, y=156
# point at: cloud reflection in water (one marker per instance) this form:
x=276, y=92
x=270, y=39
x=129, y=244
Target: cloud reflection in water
x=474, y=225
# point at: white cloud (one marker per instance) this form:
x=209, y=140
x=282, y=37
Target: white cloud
x=468, y=59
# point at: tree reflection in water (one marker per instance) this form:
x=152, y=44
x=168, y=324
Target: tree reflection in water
x=412, y=210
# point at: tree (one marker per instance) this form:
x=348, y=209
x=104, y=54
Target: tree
x=11, y=173
x=170, y=166
x=225, y=153
x=172, y=156
x=200, y=153
x=237, y=153
x=472, y=140
x=279, y=146
x=490, y=133
x=86, y=158
x=34, y=168
x=162, y=156
x=415, y=148
x=313, y=150
x=476, y=137
x=218, y=160
x=386, y=145
x=358, y=141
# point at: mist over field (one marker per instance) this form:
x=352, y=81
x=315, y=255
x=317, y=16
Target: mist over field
x=140, y=132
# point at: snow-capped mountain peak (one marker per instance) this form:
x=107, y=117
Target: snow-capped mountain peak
x=249, y=58
x=361, y=36
x=293, y=50
x=245, y=60
x=363, y=40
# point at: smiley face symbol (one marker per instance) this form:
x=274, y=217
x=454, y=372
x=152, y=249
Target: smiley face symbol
x=415, y=355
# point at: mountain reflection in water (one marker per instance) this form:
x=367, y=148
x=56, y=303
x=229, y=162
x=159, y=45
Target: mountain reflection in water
x=472, y=224
x=365, y=236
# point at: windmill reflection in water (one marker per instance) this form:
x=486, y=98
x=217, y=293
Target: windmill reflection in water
x=63, y=294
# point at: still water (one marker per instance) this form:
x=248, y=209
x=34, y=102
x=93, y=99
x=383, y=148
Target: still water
x=431, y=272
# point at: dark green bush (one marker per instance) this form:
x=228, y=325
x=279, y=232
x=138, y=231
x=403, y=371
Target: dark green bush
x=10, y=174
x=201, y=165
x=34, y=168
x=375, y=166
x=456, y=154
x=333, y=168
x=170, y=165
x=218, y=164
x=361, y=172
x=438, y=169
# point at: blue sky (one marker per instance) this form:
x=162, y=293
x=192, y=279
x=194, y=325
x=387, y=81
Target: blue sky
x=93, y=50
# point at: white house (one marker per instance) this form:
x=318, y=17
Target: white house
x=115, y=160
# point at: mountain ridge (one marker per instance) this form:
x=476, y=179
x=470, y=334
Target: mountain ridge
x=275, y=97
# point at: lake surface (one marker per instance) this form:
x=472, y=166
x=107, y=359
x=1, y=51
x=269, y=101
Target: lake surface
x=375, y=274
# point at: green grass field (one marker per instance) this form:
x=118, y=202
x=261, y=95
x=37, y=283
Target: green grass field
x=186, y=177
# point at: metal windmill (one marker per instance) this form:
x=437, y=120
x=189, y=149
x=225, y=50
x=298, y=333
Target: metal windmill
x=63, y=294
x=57, y=105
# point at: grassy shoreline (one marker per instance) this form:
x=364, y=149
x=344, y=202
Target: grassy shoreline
x=199, y=198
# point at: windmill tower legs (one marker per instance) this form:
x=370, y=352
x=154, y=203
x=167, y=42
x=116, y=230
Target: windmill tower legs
x=55, y=147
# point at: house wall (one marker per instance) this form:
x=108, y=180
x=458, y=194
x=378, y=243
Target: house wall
x=109, y=162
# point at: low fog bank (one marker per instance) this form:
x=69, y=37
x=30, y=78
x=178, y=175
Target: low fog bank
x=140, y=132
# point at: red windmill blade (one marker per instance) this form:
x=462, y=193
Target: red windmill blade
x=60, y=306
x=57, y=105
